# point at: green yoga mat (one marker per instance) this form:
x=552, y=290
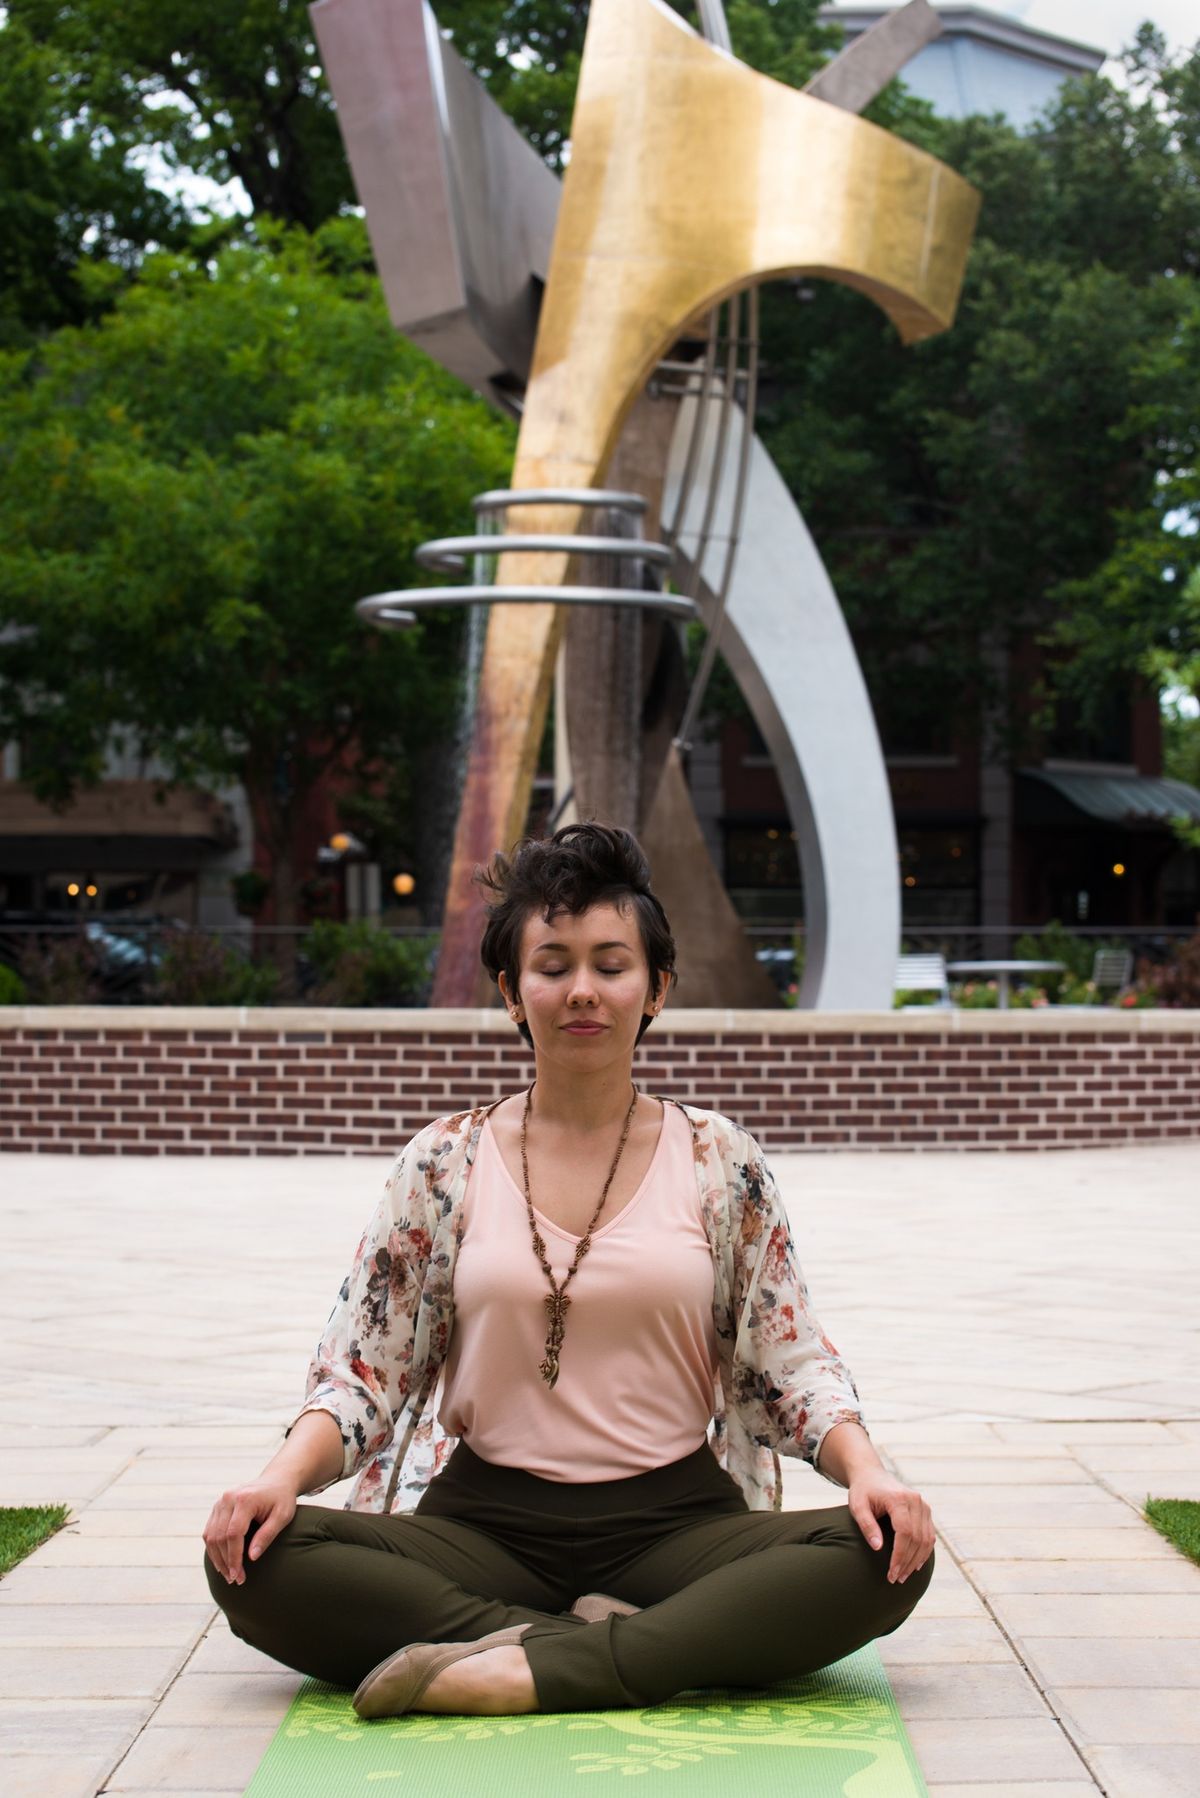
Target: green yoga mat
x=834, y=1734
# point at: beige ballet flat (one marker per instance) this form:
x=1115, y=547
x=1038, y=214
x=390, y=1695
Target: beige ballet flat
x=594, y=1607
x=396, y=1685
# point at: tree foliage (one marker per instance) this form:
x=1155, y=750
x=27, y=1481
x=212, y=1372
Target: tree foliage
x=1017, y=474
x=194, y=492
x=76, y=210
x=229, y=89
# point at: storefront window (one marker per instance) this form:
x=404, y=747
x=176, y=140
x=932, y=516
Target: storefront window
x=761, y=856
x=939, y=876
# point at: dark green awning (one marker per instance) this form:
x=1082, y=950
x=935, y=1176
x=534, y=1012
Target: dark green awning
x=1148, y=801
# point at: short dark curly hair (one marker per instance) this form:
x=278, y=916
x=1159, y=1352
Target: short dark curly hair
x=581, y=865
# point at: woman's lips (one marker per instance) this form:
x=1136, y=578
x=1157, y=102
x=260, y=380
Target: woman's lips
x=584, y=1029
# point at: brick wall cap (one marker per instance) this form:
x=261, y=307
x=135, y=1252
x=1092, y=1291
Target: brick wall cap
x=677, y=1021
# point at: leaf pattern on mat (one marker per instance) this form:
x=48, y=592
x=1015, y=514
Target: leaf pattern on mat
x=683, y=1733
x=840, y=1726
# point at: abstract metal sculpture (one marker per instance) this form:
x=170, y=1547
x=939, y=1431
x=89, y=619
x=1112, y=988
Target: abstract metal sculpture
x=691, y=180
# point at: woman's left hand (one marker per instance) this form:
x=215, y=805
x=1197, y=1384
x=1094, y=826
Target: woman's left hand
x=873, y=1495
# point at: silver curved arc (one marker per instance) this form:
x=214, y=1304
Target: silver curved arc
x=675, y=605
x=708, y=658
x=749, y=409
x=789, y=649
x=451, y=552
x=716, y=469
x=714, y=25
x=500, y=499
x=700, y=416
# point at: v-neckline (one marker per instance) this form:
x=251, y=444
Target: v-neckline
x=548, y=1223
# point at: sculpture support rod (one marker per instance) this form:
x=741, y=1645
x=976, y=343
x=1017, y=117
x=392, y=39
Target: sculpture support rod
x=864, y=68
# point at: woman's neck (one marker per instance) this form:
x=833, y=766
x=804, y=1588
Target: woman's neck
x=594, y=1102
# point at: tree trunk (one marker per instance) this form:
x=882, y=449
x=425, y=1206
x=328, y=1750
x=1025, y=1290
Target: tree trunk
x=274, y=809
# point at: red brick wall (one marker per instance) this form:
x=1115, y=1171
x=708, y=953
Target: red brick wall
x=225, y=1083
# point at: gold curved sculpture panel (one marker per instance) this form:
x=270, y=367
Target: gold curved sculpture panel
x=691, y=177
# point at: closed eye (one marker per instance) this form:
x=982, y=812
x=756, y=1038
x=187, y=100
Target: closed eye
x=552, y=972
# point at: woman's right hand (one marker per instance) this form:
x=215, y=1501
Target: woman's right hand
x=269, y=1503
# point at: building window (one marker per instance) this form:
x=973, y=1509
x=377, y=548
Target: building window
x=1099, y=731
x=761, y=856
x=939, y=876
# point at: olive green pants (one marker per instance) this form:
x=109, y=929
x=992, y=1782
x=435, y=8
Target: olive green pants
x=731, y=1596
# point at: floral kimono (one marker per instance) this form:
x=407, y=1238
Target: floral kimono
x=780, y=1382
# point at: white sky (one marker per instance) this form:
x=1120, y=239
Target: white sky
x=1105, y=24
x=1109, y=24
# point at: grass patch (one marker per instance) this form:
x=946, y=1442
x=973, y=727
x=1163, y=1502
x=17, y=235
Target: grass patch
x=1178, y=1519
x=24, y=1527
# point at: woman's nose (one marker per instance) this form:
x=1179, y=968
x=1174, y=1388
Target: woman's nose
x=583, y=986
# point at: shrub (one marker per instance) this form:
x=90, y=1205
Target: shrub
x=249, y=889
x=1056, y=943
x=65, y=970
x=1175, y=982
x=1074, y=991
x=202, y=970
x=361, y=964
x=976, y=995
x=12, y=987
x=791, y=992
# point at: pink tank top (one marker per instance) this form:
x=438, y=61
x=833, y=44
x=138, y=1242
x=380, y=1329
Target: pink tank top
x=639, y=1357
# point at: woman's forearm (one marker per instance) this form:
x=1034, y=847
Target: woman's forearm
x=312, y=1456
x=846, y=1451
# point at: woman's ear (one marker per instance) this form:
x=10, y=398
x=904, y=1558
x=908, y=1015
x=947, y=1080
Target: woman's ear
x=656, y=1000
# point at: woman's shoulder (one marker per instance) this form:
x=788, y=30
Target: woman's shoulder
x=715, y=1123
x=438, y=1146
x=715, y=1133
x=450, y=1127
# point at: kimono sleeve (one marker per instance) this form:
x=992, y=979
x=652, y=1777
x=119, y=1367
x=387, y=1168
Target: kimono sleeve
x=361, y=1371
x=794, y=1372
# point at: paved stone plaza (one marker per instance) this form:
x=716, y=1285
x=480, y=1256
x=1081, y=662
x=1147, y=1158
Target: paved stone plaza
x=1023, y=1330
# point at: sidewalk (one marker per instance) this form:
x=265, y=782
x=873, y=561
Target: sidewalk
x=1022, y=1330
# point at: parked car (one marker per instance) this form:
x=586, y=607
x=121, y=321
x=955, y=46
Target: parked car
x=127, y=950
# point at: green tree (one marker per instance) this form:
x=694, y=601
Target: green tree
x=1017, y=475
x=194, y=492
x=1175, y=671
x=229, y=89
x=76, y=209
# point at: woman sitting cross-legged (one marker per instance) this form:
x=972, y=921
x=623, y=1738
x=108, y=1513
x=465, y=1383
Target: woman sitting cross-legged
x=572, y=1339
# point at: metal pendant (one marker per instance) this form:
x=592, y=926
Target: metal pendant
x=557, y=1304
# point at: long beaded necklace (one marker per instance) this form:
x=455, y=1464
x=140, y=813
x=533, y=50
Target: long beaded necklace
x=557, y=1303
